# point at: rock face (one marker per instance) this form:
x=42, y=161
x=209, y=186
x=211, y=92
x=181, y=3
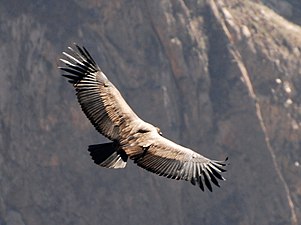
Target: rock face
x=221, y=77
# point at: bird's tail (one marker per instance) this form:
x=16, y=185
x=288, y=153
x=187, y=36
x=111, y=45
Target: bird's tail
x=108, y=155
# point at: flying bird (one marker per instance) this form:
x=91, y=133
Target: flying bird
x=131, y=137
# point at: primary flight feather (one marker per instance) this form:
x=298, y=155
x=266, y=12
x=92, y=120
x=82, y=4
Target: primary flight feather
x=131, y=137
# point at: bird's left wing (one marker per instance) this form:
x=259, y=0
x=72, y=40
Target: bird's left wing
x=174, y=161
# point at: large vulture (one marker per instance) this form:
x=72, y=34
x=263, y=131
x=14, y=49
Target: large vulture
x=131, y=137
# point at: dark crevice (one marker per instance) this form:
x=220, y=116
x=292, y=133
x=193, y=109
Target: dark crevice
x=218, y=60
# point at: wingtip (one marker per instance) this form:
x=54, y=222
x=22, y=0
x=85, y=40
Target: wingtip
x=72, y=48
x=226, y=162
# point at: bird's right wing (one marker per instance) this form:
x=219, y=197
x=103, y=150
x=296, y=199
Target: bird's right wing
x=99, y=98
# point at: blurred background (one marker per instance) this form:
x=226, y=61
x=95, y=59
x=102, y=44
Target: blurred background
x=220, y=77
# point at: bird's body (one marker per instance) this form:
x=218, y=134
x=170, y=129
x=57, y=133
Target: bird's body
x=131, y=137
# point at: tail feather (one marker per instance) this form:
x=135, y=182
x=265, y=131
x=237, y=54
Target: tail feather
x=108, y=155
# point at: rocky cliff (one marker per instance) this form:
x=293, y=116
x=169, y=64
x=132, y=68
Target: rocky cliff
x=219, y=76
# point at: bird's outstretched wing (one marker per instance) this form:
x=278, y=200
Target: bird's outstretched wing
x=99, y=99
x=174, y=161
x=111, y=116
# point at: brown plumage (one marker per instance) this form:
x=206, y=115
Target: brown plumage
x=131, y=137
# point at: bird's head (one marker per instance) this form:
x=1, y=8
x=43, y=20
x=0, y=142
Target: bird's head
x=159, y=131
